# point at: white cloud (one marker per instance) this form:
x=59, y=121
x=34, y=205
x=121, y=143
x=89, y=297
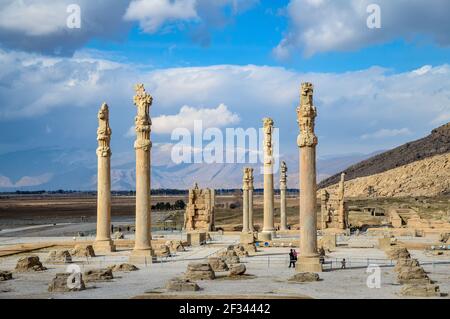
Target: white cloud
x=210, y=118
x=387, y=133
x=218, y=117
x=33, y=18
x=153, y=14
x=328, y=25
x=34, y=88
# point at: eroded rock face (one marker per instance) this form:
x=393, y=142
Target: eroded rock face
x=305, y=277
x=123, y=268
x=200, y=271
x=98, y=275
x=402, y=264
x=175, y=245
x=182, y=284
x=230, y=257
x=397, y=253
x=237, y=270
x=59, y=257
x=5, y=275
x=217, y=264
x=428, y=290
x=162, y=251
x=29, y=263
x=83, y=251
x=61, y=281
x=118, y=235
x=413, y=275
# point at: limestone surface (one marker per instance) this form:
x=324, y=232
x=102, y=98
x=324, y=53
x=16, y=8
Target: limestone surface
x=5, y=275
x=181, y=284
x=29, y=263
x=83, y=251
x=217, y=264
x=305, y=277
x=200, y=271
x=59, y=257
x=59, y=283
x=123, y=268
x=98, y=275
x=428, y=290
x=237, y=270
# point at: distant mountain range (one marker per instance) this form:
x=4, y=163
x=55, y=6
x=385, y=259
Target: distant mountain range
x=76, y=169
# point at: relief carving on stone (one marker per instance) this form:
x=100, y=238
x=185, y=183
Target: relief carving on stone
x=306, y=115
x=103, y=132
x=268, y=149
x=143, y=123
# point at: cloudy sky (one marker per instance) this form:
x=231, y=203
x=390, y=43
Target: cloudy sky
x=229, y=63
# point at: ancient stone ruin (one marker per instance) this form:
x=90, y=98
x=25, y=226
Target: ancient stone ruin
x=199, y=215
x=334, y=209
x=200, y=271
x=65, y=282
x=29, y=263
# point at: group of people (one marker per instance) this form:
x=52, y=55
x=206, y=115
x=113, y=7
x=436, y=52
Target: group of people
x=293, y=259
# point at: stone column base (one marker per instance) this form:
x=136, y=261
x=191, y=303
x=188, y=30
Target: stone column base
x=142, y=257
x=266, y=235
x=104, y=246
x=247, y=238
x=308, y=264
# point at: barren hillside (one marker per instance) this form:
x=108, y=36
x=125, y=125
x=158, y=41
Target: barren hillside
x=438, y=142
x=427, y=177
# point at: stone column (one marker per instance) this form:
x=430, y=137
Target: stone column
x=103, y=242
x=307, y=141
x=324, y=208
x=142, y=252
x=342, y=209
x=251, y=221
x=245, y=202
x=283, y=188
x=269, y=227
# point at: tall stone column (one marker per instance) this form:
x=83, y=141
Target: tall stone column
x=143, y=252
x=269, y=227
x=245, y=186
x=251, y=222
x=342, y=208
x=283, y=188
x=307, y=141
x=103, y=242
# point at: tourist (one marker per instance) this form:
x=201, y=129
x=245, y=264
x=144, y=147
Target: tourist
x=343, y=264
x=292, y=259
x=295, y=254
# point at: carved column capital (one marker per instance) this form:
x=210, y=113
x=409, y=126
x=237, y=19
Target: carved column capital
x=306, y=115
x=143, y=102
x=283, y=175
x=103, y=132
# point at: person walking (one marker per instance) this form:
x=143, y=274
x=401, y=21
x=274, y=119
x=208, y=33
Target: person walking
x=343, y=264
x=292, y=259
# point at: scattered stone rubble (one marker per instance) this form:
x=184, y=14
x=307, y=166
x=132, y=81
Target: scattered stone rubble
x=5, y=275
x=29, y=263
x=59, y=283
x=217, y=264
x=410, y=274
x=175, y=246
x=182, y=284
x=98, y=275
x=123, y=268
x=59, y=257
x=83, y=251
x=200, y=271
x=304, y=277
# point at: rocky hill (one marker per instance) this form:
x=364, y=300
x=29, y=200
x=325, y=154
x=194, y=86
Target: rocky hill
x=428, y=177
x=438, y=142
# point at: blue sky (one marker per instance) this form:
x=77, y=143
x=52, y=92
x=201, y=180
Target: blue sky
x=375, y=88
